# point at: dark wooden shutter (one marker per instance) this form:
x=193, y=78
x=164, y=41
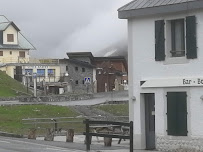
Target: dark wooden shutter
x=191, y=41
x=171, y=113
x=159, y=40
x=177, y=113
x=181, y=114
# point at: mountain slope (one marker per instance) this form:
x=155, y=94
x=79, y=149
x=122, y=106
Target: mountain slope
x=10, y=87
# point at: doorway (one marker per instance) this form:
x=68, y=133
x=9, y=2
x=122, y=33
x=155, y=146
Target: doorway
x=150, y=120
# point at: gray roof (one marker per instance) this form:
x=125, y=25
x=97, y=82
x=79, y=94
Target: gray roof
x=81, y=63
x=139, y=8
x=23, y=43
x=4, y=25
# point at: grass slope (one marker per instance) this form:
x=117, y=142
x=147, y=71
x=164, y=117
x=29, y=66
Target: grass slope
x=8, y=85
x=11, y=117
x=117, y=110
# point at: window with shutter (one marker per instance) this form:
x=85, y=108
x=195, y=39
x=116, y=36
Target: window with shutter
x=159, y=40
x=177, y=113
x=175, y=40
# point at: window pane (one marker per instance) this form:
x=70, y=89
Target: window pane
x=51, y=72
x=41, y=72
x=22, y=54
x=1, y=53
x=178, y=37
x=28, y=71
x=10, y=38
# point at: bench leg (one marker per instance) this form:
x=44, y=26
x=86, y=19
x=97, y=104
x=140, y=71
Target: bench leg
x=119, y=141
x=96, y=136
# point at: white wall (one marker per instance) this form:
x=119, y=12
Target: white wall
x=10, y=30
x=14, y=57
x=142, y=66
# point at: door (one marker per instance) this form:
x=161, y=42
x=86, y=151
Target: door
x=18, y=74
x=150, y=120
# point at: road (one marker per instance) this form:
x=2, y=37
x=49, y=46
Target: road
x=98, y=99
x=8, y=144
x=23, y=145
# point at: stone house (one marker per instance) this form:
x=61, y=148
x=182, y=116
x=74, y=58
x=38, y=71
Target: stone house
x=111, y=73
x=165, y=59
x=79, y=72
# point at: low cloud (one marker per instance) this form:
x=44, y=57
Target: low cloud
x=56, y=27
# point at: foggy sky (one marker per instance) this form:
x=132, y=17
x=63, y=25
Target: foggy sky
x=55, y=27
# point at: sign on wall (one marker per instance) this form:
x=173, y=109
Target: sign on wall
x=37, y=67
x=172, y=82
x=87, y=80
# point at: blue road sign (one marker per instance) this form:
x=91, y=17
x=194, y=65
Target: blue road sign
x=87, y=80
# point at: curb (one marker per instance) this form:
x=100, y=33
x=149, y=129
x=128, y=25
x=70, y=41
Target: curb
x=5, y=134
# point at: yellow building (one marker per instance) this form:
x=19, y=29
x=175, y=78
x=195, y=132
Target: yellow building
x=14, y=47
x=16, y=62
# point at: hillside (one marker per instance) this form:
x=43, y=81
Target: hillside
x=9, y=85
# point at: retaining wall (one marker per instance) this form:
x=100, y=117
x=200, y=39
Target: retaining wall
x=56, y=98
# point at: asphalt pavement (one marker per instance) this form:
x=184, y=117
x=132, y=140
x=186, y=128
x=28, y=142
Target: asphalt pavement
x=97, y=99
x=26, y=145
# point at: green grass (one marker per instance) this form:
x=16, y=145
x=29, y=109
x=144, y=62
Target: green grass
x=117, y=110
x=8, y=85
x=11, y=118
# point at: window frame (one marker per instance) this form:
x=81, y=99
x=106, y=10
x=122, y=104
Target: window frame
x=51, y=74
x=76, y=68
x=10, y=37
x=1, y=53
x=169, y=59
x=174, y=52
x=40, y=75
x=29, y=70
x=20, y=54
x=83, y=69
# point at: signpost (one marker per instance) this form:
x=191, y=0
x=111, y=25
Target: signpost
x=35, y=84
x=87, y=82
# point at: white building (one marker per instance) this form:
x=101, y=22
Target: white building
x=165, y=73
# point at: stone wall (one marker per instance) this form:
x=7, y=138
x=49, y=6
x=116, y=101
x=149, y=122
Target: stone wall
x=9, y=98
x=179, y=144
x=56, y=98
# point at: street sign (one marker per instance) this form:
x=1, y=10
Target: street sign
x=87, y=80
x=35, y=75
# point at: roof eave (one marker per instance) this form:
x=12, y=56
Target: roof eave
x=13, y=24
x=181, y=7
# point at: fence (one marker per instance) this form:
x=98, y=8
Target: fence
x=89, y=134
x=57, y=124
